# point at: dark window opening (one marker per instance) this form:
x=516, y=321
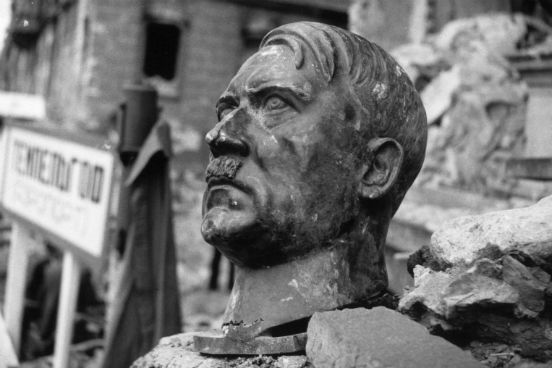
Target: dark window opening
x=162, y=44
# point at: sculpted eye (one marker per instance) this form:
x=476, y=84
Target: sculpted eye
x=274, y=103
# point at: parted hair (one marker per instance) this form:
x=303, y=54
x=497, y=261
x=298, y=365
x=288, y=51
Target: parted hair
x=385, y=99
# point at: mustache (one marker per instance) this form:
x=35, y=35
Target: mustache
x=222, y=167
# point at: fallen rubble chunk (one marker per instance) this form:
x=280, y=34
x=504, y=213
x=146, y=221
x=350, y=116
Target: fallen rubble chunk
x=378, y=337
x=466, y=239
x=428, y=287
x=472, y=289
x=531, y=288
x=488, y=278
x=507, y=304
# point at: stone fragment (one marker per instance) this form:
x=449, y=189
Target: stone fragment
x=489, y=280
x=378, y=337
x=473, y=289
x=448, y=294
x=496, y=355
x=475, y=102
x=531, y=288
x=531, y=338
x=465, y=239
x=481, y=303
x=501, y=33
x=421, y=61
x=438, y=94
x=292, y=361
x=428, y=287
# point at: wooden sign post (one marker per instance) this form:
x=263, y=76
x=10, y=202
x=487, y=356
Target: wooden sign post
x=15, y=283
x=67, y=305
x=58, y=188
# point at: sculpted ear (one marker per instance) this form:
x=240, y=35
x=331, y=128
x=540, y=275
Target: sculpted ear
x=383, y=171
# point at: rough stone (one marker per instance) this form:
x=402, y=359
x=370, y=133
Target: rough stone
x=465, y=239
x=500, y=32
x=450, y=294
x=531, y=287
x=428, y=286
x=475, y=289
x=531, y=338
x=501, y=301
x=378, y=337
x=475, y=101
x=488, y=278
x=502, y=356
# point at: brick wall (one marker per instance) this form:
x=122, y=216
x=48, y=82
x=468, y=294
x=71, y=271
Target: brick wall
x=58, y=56
x=46, y=65
x=113, y=56
x=212, y=52
x=111, y=53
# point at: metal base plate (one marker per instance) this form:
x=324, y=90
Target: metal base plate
x=215, y=343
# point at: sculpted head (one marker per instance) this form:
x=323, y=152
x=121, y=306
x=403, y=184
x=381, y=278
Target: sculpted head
x=320, y=135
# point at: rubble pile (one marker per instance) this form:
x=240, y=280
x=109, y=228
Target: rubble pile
x=484, y=283
x=475, y=100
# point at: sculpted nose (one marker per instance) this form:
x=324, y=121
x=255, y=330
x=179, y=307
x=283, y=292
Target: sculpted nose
x=226, y=139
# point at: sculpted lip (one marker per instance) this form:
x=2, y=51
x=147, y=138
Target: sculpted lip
x=217, y=181
x=223, y=192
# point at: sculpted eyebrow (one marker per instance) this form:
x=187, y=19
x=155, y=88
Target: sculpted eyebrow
x=303, y=94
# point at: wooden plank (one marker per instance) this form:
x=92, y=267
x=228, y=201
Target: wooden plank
x=8, y=356
x=18, y=261
x=539, y=168
x=70, y=278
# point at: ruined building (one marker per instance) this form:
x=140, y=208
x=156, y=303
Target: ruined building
x=79, y=54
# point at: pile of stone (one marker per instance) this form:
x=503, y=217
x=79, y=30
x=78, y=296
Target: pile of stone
x=484, y=283
x=475, y=100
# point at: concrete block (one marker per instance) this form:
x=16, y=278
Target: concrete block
x=378, y=337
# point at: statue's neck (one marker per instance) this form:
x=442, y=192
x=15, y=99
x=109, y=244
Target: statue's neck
x=348, y=273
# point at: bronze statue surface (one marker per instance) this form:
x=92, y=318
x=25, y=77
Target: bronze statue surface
x=320, y=135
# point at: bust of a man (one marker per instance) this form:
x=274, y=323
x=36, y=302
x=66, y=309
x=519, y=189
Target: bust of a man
x=319, y=136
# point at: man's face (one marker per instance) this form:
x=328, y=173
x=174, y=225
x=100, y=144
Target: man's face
x=284, y=170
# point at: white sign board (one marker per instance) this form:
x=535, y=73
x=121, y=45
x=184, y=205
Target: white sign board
x=22, y=106
x=60, y=186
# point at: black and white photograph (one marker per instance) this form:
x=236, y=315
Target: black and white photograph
x=275, y=183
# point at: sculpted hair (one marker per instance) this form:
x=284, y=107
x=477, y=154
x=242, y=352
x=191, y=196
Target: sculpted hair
x=387, y=103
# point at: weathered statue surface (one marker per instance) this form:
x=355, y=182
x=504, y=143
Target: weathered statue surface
x=320, y=135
